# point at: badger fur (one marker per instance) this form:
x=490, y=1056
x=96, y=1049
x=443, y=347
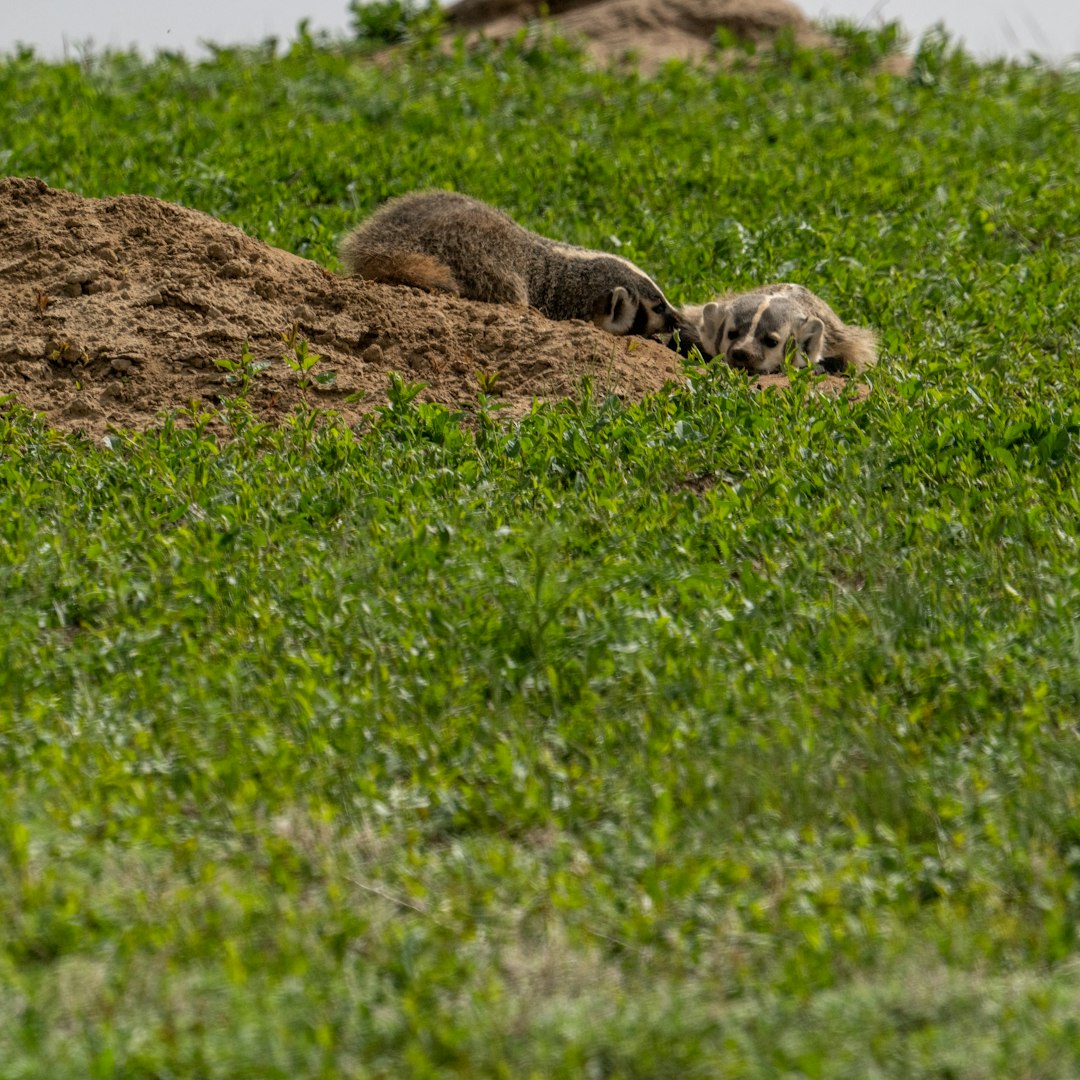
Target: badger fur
x=756, y=330
x=441, y=240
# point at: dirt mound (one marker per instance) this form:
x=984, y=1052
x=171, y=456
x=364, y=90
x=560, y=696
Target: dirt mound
x=112, y=310
x=652, y=30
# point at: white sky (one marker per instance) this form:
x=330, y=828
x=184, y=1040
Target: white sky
x=997, y=27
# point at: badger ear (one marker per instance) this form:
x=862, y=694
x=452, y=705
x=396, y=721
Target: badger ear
x=713, y=318
x=615, y=310
x=811, y=338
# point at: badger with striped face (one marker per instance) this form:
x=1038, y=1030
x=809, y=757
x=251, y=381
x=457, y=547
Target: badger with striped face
x=759, y=330
x=448, y=242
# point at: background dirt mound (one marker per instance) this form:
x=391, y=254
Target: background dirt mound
x=112, y=310
x=654, y=30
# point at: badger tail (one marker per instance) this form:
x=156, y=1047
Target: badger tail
x=394, y=266
x=855, y=346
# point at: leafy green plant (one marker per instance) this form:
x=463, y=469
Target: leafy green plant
x=378, y=23
x=301, y=360
x=487, y=381
x=401, y=395
x=864, y=47
x=241, y=372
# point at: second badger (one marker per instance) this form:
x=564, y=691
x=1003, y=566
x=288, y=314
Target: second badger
x=441, y=240
x=757, y=330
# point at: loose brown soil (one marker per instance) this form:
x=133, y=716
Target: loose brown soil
x=114, y=310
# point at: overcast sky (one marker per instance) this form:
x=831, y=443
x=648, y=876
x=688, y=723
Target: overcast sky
x=1050, y=28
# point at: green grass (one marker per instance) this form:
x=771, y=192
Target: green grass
x=722, y=735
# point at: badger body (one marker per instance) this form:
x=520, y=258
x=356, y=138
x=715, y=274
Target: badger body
x=756, y=330
x=445, y=241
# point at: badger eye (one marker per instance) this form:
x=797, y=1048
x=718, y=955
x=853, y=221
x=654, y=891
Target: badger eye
x=733, y=333
x=771, y=341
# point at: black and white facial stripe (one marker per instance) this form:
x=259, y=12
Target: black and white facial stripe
x=621, y=311
x=755, y=332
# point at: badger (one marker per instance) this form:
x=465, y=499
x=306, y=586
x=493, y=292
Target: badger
x=755, y=330
x=445, y=241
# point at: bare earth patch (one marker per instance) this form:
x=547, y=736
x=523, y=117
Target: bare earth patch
x=114, y=310
x=651, y=30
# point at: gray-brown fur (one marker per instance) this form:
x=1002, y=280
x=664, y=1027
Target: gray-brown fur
x=756, y=330
x=441, y=240
x=686, y=335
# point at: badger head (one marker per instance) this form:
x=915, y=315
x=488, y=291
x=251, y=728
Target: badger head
x=757, y=332
x=645, y=311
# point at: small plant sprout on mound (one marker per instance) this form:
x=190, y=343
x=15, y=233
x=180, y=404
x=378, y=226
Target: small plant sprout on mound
x=241, y=372
x=301, y=361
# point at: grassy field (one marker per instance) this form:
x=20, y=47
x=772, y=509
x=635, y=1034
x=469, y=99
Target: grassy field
x=724, y=735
